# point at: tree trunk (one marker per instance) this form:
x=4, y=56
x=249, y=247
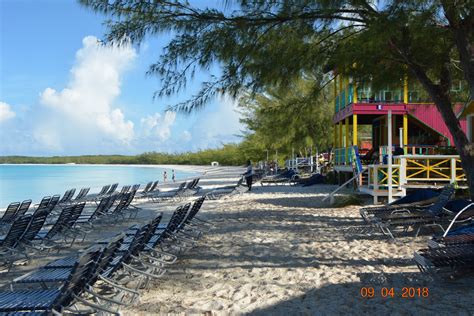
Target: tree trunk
x=443, y=103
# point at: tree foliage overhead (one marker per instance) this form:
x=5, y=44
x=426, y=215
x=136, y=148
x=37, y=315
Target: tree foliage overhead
x=271, y=43
x=289, y=118
x=261, y=43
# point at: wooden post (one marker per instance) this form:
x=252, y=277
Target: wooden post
x=346, y=141
x=354, y=130
x=453, y=171
x=340, y=135
x=405, y=132
x=389, y=148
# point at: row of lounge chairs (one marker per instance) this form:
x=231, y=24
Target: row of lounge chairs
x=50, y=226
x=452, y=250
x=98, y=280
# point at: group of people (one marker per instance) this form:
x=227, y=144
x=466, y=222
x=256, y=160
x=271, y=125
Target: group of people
x=165, y=176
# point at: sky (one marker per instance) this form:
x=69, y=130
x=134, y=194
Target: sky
x=61, y=93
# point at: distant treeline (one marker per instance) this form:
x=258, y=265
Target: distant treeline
x=230, y=155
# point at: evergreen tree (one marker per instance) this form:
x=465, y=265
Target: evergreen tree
x=261, y=43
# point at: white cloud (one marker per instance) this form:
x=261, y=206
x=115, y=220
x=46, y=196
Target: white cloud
x=84, y=112
x=217, y=126
x=186, y=136
x=6, y=112
x=158, y=127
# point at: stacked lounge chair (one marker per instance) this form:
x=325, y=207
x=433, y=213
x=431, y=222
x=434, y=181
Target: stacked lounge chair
x=280, y=179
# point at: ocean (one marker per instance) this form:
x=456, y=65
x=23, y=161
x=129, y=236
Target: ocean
x=21, y=182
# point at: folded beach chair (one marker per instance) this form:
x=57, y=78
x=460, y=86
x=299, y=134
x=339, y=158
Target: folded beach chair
x=433, y=216
x=429, y=201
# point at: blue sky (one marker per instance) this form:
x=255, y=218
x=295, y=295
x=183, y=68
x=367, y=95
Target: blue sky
x=63, y=94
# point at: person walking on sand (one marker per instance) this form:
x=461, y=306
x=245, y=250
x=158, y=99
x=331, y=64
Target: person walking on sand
x=173, y=176
x=165, y=176
x=248, y=175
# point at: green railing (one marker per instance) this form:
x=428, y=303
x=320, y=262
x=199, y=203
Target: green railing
x=342, y=156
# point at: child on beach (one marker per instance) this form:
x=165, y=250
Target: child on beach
x=165, y=176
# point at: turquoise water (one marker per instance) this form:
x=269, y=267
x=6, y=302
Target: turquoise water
x=21, y=182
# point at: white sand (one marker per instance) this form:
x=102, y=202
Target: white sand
x=276, y=251
x=280, y=250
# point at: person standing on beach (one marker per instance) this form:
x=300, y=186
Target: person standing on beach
x=165, y=176
x=248, y=175
x=173, y=176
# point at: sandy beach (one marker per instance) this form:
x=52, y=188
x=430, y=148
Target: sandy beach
x=280, y=250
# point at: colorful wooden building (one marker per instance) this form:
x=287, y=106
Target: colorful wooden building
x=417, y=129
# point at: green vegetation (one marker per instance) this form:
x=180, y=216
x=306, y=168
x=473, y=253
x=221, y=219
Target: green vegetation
x=227, y=155
x=290, y=117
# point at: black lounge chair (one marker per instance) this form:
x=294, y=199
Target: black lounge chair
x=80, y=196
x=54, y=201
x=55, y=301
x=46, y=238
x=9, y=242
x=58, y=271
x=283, y=178
x=434, y=216
x=67, y=196
x=101, y=210
x=37, y=221
x=112, y=189
x=313, y=179
x=44, y=202
x=24, y=206
x=450, y=260
x=457, y=234
x=228, y=190
x=10, y=213
x=166, y=195
x=99, y=195
x=417, y=201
